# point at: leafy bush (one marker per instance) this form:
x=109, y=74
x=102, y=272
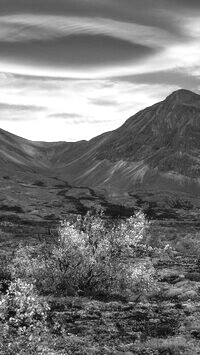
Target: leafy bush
x=90, y=257
x=22, y=319
x=21, y=308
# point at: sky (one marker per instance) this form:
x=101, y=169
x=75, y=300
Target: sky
x=73, y=69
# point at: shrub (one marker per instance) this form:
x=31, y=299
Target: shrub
x=90, y=257
x=21, y=308
x=22, y=319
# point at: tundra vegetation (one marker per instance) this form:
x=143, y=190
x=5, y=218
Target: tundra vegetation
x=101, y=286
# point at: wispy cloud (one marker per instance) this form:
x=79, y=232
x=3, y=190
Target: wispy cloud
x=14, y=112
x=85, y=47
x=19, y=28
x=26, y=108
x=66, y=116
x=75, y=119
x=104, y=102
x=179, y=78
x=44, y=42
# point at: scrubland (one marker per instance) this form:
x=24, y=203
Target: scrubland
x=101, y=286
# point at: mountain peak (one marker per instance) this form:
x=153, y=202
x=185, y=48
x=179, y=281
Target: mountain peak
x=183, y=95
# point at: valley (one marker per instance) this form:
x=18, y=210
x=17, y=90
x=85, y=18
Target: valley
x=149, y=164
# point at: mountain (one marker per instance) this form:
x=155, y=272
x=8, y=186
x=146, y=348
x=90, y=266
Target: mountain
x=155, y=152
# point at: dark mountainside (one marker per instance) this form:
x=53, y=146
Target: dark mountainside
x=153, y=158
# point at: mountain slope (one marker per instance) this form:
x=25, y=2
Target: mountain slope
x=157, y=149
x=165, y=135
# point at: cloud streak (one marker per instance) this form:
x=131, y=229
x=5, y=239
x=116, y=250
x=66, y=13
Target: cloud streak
x=104, y=102
x=25, y=108
x=84, y=47
x=20, y=112
x=62, y=43
x=20, y=28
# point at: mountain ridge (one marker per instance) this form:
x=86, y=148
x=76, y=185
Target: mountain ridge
x=156, y=149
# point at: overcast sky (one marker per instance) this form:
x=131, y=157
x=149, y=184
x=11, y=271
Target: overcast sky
x=72, y=69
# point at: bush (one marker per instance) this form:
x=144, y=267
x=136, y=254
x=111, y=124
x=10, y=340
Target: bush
x=22, y=319
x=21, y=308
x=90, y=257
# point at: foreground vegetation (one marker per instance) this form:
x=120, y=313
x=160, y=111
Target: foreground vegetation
x=101, y=287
